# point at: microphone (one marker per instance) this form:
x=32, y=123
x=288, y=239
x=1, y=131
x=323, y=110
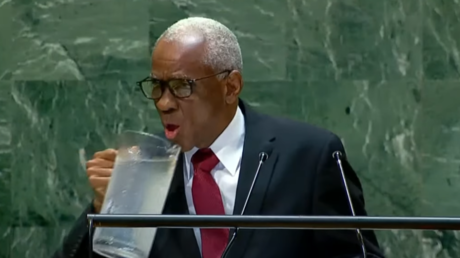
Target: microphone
x=337, y=155
x=263, y=156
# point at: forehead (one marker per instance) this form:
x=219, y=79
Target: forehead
x=179, y=58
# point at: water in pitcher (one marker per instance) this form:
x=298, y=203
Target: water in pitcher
x=140, y=187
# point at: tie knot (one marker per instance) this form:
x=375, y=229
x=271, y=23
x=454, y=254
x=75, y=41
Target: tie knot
x=204, y=160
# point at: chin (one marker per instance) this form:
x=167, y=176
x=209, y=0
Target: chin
x=186, y=149
x=184, y=146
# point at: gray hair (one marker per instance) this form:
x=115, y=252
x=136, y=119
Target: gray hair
x=222, y=49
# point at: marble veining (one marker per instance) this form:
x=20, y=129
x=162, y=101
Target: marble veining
x=383, y=75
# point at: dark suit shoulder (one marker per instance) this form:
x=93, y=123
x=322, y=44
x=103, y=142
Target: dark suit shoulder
x=302, y=133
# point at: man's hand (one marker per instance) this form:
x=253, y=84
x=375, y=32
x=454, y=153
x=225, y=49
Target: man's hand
x=99, y=171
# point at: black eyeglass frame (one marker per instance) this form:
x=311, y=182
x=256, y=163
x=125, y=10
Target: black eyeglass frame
x=163, y=84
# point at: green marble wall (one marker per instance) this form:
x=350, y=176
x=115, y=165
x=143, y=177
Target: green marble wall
x=384, y=75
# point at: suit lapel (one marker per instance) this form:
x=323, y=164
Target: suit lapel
x=258, y=138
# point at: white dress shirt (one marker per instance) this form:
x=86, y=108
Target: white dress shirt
x=228, y=148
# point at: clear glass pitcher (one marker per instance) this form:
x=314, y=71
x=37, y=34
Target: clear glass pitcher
x=139, y=185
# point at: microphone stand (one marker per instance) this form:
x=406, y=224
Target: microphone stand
x=337, y=156
x=90, y=238
x=263, y=156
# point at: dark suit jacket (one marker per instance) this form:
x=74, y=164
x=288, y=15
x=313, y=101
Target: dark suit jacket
x=300, y=177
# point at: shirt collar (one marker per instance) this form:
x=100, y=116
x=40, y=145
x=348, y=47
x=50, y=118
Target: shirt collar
x=228, y=147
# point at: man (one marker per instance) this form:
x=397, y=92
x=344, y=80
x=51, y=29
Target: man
x=195, y=83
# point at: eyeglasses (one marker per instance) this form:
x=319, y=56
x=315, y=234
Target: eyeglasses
x=180, y=88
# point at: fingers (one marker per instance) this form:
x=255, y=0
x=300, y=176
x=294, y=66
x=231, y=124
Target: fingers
x=99, y=172
x=100, y=163
x=99, y=183
x=102, y=159
x=99, y=194
x=108, y=154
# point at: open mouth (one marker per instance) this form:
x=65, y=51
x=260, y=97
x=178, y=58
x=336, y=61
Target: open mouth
x=171, y=131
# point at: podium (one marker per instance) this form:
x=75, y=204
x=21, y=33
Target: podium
x=271, y=222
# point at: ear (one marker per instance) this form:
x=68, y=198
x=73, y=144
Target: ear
x=234, y=85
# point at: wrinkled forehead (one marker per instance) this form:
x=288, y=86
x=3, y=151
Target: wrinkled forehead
x=179, y=58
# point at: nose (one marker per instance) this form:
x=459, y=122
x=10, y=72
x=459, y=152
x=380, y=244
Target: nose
x=167, y=103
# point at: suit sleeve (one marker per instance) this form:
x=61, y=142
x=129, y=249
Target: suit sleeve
x=330, y=199
x=75, y=245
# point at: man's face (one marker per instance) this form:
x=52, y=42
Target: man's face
x=190, y=121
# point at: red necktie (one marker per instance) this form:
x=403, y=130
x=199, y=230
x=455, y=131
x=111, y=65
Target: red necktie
x=208, y=201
